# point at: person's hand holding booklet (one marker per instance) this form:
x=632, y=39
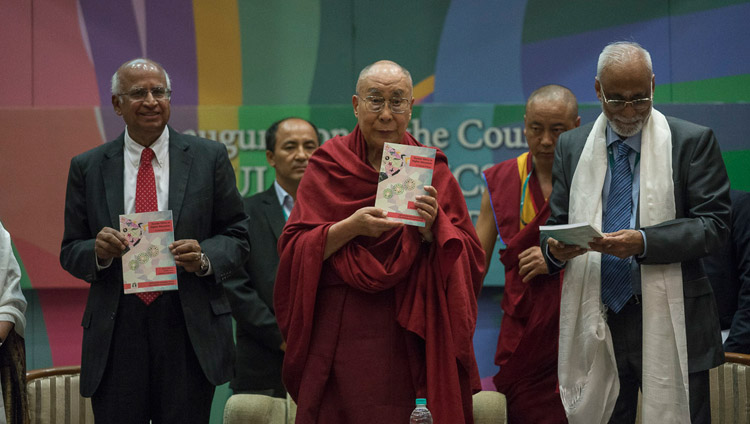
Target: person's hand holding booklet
x=580, y=234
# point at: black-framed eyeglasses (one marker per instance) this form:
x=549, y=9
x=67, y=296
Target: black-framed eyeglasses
x=618, y=105
x=397, y=104
x=138, y=94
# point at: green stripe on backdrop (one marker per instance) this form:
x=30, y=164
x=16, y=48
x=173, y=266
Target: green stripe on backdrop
x=25, y=282
x=279, y=50
x=739, y=173
x=355, y=33
x=38, y=353
x=730, y=89
x=547, y=19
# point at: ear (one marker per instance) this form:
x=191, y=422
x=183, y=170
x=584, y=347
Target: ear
x=598, y=88
x=524, y=125
x=355, y=104
x=270, y=159
x=116, y=105
x=578, y=122
x=653, y=83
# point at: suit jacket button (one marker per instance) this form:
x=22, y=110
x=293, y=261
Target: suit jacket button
x=112, y=316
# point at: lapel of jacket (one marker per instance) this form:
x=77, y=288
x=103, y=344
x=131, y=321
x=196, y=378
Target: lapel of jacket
x=112, y=168
x=273, y=211
x=180, y=161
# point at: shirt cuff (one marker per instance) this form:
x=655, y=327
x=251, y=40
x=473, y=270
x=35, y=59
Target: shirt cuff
x=645, y=245
x=100, y=265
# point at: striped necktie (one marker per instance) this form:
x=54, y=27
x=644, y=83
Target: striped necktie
x=616, y=288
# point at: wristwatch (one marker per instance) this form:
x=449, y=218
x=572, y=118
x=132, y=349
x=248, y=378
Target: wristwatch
x=204, y=263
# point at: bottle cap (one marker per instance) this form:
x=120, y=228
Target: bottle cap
x=421, y=401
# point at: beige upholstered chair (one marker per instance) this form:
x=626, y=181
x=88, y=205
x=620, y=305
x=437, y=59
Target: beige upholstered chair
x=54, y=397
x=489, y=408
x=730, y=391
x=259, y=409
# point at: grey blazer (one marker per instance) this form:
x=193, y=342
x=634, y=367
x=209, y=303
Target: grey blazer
x=700, y=227
x=205, y=206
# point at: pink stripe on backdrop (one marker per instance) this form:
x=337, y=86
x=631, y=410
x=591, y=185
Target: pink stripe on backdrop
x=37, y=145
x=62, y=310
x=63, y=73
x=15, y=66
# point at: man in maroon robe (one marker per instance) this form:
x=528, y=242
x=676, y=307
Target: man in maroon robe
x=376, y=313
x=514, y=206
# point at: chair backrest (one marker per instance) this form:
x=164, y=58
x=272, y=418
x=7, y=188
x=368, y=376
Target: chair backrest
x=54, y=396
x=260, y=409
x=489, y=408
x=730, y=390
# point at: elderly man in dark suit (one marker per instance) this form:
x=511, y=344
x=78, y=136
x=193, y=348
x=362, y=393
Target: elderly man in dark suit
x=154, y=358
x=260, y=348
x=637, y=309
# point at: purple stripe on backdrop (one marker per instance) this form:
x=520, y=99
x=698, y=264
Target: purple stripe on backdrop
x=571, y=60
x=113, y=38
x=170, y=32
x=711, y=44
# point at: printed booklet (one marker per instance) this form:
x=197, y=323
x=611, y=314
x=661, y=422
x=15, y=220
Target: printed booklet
x=147, y=264
x=404, y=171
x=579, y=234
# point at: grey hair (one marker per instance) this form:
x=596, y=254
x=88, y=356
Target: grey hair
x=115, y=84
x=363, y=73
x=621, y=52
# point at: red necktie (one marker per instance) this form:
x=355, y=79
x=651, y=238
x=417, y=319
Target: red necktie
x=145, y=201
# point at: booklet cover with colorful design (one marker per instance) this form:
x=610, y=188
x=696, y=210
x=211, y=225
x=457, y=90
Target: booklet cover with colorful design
x=404, y=171
x=147, y=264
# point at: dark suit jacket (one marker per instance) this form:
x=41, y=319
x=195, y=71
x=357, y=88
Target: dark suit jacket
x=205, y=206
x=250, y=292
x=729, y=271
x=700, y=227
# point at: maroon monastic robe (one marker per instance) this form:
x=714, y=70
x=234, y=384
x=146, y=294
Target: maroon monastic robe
x=527, y=345
x=383, y=320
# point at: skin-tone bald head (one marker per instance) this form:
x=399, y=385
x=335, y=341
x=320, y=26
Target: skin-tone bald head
x=558, y=94
x=140, y=63
x=383, y=66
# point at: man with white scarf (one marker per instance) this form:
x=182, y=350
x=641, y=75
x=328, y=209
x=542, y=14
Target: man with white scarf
x=637, y=309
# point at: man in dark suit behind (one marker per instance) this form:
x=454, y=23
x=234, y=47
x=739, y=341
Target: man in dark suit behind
x=260, y=347
x=729, y=271
x=147, y=358
x=670, y=176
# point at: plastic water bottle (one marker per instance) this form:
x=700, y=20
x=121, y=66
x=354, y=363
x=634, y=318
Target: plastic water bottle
x=420, y=414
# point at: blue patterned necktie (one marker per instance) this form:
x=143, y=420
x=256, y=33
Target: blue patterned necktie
x=616, y=289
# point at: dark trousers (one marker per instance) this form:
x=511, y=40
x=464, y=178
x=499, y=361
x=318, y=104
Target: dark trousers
x=627, y=338
x=152, y=372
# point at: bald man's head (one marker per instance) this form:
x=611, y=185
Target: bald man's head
x=383, y=67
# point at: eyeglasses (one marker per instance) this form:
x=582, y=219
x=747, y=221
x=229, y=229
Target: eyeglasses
x=618, y=105
x=397, y=104
x=138, y=94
